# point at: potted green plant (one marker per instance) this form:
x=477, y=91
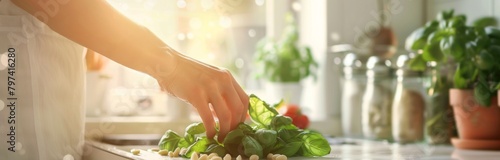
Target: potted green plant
x=474, y=53
x=284, y=64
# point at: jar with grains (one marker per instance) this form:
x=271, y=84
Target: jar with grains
x=408, y=104
x=377, y=99
x=353, y=88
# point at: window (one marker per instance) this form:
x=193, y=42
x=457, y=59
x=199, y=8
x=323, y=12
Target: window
x=218, y=32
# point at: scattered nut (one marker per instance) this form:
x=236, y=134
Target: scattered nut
x=239, y=157
x=163, y=152
x=176, y=152
x=254, y=157
x=194, y=156
x=281, y=157
x=203, y=157
x=216, y=158
x=212, y=155
x=183, y=151
x=269, y=156
x=275, y=156
x=170, y=154
x=227, y=157
x=135, y=151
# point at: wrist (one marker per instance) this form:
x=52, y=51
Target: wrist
x=165, y=65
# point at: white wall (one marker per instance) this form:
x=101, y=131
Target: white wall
x=474, y=9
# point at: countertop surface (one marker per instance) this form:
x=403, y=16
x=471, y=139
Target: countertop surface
x=349, y=149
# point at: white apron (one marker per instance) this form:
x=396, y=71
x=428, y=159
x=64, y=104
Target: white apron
x=43, y=117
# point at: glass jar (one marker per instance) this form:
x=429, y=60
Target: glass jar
x=439, y=116
x=408, y=104
x=353, y=87
x=377, y=99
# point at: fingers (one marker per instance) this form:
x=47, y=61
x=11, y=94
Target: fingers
x=206, y=116
x=224, y=115
x=243, y=99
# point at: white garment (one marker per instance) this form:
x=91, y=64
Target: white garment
x=49, y=87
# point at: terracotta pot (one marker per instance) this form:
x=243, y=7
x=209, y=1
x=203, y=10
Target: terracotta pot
x=498, y=95
x=475, y=121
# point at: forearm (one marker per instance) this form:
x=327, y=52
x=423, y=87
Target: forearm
x=97, y=25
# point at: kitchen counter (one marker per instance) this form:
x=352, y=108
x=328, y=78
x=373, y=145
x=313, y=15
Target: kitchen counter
x=342, y=149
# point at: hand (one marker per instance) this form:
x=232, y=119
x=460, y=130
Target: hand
x=203, y=85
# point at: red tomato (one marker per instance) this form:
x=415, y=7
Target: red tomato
x=291, y=110
x=301, y=121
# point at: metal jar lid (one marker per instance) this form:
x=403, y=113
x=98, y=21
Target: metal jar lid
x=379, y=67
x=354, y=64
x=403, y=69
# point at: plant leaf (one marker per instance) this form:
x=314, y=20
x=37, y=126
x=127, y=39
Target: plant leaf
x=260, y=112
x=314, y=144
x=289, y=149
x=433, y=52
x=482, y=93
x=169, y=140
x=252, y=146
x=267, y=138
x=199, y=146
x=418, y=63
x=195, y=128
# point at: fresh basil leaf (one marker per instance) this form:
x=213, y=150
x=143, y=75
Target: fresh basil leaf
x=494, y=50
x=314, y=144
x=290, y=149
x=416, y=40
x=183, y=143
x=289, y=135
x=459, y=78
x=482, y=41
x=485, y=22
x=458, y=21
x=457, y=49
x=267, y=138
x=195, y=128
x=216, y=148
x=186, y=141
x=482, y=93
x=280, y=122
x=433, y=52
x=252, y=147
x=497, y=87
x=443, y=15
x=418, y=63
x=280, y=143
x=445, y=45
x=169, y=140
x=492, y=32
x=432, y=24
x=199, y=146
x=282, y=102
x=260, y=112
x=245, y=128
x=232, y=142
x=435, y=37
x=485, y=60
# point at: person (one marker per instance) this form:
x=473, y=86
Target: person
x=47, y=39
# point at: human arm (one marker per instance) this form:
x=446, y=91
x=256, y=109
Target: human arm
x=98, y=26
